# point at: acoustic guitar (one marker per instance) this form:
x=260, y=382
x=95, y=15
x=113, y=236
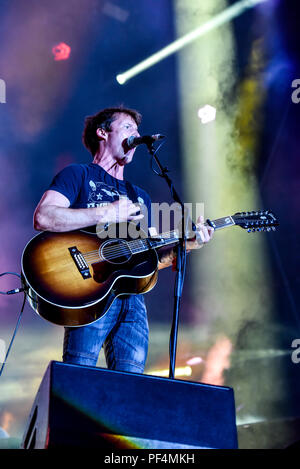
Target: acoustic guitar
x=72, y=278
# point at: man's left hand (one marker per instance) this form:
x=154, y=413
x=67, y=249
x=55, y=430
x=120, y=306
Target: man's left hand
x=205, y=235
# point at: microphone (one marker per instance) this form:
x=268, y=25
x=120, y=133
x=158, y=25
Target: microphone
x=132, y=142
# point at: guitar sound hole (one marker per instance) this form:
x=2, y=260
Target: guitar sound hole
x=115, y=251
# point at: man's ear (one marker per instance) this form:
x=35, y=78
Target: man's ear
x=101, y=133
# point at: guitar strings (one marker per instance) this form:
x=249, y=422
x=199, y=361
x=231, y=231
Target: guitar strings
x=114, y=249
x=112, y=254
x=132, y=243
x=119, y=250
x=136, y=243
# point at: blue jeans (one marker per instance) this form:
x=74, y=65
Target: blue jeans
x=123, y=332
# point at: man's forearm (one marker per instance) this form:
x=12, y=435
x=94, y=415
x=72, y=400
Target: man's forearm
x=167, y=255
x=59, y=219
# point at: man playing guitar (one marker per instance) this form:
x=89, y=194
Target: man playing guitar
x=83, y=195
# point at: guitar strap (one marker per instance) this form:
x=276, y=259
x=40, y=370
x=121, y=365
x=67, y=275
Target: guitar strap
x=131, y=192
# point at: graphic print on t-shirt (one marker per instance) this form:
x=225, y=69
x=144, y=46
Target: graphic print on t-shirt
x=99, y=191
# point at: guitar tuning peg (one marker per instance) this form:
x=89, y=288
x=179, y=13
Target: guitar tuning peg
x=268, y=229
x=273, y=228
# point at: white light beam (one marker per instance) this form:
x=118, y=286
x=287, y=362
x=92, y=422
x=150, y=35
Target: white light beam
x=226, y=15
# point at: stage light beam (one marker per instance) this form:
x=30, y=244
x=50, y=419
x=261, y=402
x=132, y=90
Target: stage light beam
x=225, y=16
x=219, y=162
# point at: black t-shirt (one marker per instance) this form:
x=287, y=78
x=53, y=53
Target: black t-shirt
x=89, y=185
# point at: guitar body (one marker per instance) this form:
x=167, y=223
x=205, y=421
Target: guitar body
x=77, y=291
x=72, y=278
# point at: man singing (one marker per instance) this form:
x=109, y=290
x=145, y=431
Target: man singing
x=83, y=195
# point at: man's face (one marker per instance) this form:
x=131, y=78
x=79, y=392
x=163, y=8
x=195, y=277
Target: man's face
x=121, y=128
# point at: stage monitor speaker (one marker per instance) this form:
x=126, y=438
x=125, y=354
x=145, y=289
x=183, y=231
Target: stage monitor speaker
x=87, y=407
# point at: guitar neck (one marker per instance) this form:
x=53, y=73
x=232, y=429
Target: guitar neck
x=165, y=239
x=221, y=223
x=172, y=237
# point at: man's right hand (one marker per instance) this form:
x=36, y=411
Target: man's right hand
x=120, y=211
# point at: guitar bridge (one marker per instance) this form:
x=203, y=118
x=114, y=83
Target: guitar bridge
x=80, y=262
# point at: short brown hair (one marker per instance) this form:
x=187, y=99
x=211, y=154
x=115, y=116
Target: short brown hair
x=103, y=120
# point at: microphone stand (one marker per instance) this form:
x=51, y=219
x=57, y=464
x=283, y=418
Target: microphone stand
x=180, y=261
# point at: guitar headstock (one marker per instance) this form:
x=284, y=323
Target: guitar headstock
x=262, y=220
